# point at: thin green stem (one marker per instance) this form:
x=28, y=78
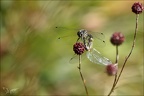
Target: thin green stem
x=84, y=83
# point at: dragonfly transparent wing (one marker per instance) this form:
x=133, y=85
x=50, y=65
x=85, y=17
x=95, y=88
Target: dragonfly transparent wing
x=75, y=59
x=99, y=38
x=94, y=56
x=66, y=35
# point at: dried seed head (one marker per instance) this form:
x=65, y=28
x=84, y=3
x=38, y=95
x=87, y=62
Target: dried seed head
x=79, y=48
x=111, y=69
x=137, y=8
x=117, y=38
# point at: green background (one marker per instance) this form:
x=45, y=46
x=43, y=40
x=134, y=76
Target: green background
x=34, y=62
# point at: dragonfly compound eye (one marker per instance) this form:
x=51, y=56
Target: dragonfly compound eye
x=82, y=33
x=79, y=34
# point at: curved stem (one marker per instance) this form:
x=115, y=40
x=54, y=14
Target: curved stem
x=79, y=67
x=133, y=45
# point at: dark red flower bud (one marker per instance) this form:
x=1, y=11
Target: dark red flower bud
x=111, y=69
x=79, y=48
x=117, y=38
x=137, y=8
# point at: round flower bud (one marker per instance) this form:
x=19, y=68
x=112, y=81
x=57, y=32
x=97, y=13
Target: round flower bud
x=111, y=69
x=79, y=48
x=117, y=38
x=137, y=8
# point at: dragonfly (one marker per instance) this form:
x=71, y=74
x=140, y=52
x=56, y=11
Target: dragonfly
x=92, y=54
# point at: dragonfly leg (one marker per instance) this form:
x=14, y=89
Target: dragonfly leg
x=77, y=40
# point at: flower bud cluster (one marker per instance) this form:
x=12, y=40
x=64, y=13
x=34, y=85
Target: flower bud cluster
x=79, y=48
x=137, y=8
x=117, y=38
x=111, y=69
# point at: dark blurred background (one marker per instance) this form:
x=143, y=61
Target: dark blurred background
x=34, y=62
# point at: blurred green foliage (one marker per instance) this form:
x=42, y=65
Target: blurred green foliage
x=34, y=62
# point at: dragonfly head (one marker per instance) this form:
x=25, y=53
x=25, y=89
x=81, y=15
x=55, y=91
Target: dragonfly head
x=82, y=33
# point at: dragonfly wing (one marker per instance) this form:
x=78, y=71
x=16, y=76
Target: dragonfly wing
x=94, y=56
x=75, y=59
x=65, y=35
x=99, y=38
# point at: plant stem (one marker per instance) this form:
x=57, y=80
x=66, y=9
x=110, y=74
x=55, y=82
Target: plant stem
x=117, y=55
x=133, y=45
x=116, y=62
x=79, y=67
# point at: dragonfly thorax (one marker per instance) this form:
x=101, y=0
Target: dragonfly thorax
x=90, y=38
x=88, y=42
x=88, y=46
